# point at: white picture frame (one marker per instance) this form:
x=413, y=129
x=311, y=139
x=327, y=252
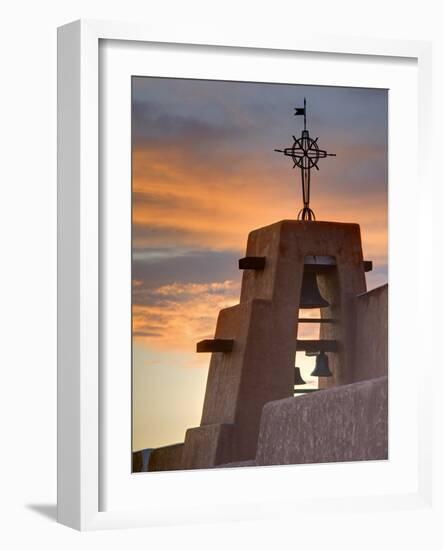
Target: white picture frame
x=81, y=412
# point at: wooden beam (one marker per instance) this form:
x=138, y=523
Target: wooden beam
x=319, y=264
x=215, y=345
x=316, y=345
x=367, y=264
x=252, y=262
x=320, y=261
x=315, y=320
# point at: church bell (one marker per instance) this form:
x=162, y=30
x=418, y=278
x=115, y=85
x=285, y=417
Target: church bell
x=298, y=380
x=310, y=294
x=321, y=365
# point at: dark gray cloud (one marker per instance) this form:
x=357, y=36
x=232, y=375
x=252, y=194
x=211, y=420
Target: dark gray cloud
x=167, y=266
x=222, y=124
x=152, y=123
x=332, y=111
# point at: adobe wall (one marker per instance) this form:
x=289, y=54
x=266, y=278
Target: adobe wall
x=340, y=424
x=137, y=461
x=166, y=458
x=371, y=334
x=207, y=446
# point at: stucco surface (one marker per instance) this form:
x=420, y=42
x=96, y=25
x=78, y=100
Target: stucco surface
x=166, y=458
x=241, y=464
x=207, y=446
x=349, y=422
x=371, y=334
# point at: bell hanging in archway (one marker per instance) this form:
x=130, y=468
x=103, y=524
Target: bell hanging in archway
x=310, y=294
x=298, y=380
x=321, y=365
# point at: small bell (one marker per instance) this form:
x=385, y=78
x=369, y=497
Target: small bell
x=298, y=380
x=310, y=294
x=321, y=365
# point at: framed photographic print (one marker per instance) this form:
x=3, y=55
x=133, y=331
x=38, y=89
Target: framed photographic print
x=226, y=325
x=204, y=174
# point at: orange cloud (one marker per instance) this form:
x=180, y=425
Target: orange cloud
x=190, y=202
x=181, y=314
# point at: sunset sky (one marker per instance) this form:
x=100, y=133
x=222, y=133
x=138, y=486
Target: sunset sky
x=204, y=176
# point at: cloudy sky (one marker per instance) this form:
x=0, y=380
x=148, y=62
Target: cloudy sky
x=205, y=175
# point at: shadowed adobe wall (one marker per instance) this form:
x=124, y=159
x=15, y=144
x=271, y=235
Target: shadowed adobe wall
x=166, y=458
x=336, y=425
x=371, y=334
x=263, y=330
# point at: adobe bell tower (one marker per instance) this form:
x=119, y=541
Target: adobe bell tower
x=289, y=266
x=253, y=352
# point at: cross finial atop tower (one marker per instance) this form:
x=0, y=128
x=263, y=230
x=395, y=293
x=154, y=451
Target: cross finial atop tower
x=305, y=154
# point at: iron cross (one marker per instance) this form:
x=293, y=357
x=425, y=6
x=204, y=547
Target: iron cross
x=305, y=154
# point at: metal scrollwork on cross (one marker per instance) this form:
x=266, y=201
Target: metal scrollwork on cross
x=305, y=154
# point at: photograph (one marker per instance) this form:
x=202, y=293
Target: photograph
x=259, y=274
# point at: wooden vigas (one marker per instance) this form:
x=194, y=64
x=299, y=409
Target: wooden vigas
x=260, y=367
x=215, y=345
x=252, y=262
